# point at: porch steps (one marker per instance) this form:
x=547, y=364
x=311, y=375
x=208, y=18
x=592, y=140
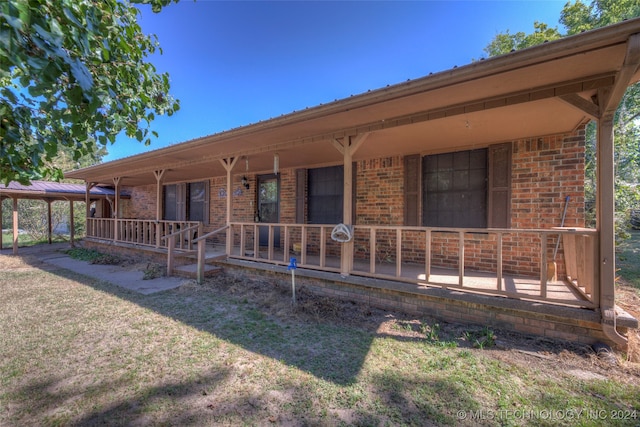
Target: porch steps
x=191, y=270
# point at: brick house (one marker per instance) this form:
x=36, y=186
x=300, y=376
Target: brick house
x=452, y=188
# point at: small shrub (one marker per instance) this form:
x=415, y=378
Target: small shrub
x=153, y=271
x=482, y=339
x=106, y=259
x=93, y=257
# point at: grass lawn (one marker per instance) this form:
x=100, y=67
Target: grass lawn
x=75, y=351
x=26, y=240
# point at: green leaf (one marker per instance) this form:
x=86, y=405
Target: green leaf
x=82, y=74
x=71, y=17
x=53, y=52
x=14, y=22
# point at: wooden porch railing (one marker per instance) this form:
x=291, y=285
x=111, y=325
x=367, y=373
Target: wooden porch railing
x=142, y=232
x=411, y=254
x=201, y=241
x=181, y=235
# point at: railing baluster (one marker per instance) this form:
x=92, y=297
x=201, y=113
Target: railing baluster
x=399, y=252
x=543, y=265
x=461, y=258
x=303, y=250
x=242, y=241
x=323, y=247
x=271, y=243
x=256, y=241
x=499, y=261
x=427, y=256
x=372, y=251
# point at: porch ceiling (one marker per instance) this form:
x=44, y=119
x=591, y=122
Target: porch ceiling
x=528, y=93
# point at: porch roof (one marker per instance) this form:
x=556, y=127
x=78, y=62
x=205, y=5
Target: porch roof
x=547, y=89
x=54, y=191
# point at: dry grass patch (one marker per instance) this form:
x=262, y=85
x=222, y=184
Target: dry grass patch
x=79, y=352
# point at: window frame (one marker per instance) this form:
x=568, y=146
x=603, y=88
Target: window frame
x=498, y=189
x=182, y=204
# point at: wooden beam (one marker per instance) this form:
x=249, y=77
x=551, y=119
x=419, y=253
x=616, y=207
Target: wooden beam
x=582, y=104
x=609, y=100
x=49, y=222
x=116, y=207
x=1, y=199
x=15, y=225
x=357, y=142
x=228, y=165
x=609, y=103
x=338, y=145
x=71, y=224
x=87, y=197
x=605, y=223
x=346, y=261
x=159, y=174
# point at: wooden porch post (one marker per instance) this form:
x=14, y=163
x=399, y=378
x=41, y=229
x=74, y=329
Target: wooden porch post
x=228, y=165
x=87, y=205
x=15, y=225
x=49, y=223
x=605, y=222
x=608, y=101
x=116, y=207
x=159, y=174
x=348, y=147
x=1, y=223
x=71, y=225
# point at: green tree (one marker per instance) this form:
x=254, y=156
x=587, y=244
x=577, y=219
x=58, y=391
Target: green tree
x=575, y=18
x=507, y=42
x=73, y=73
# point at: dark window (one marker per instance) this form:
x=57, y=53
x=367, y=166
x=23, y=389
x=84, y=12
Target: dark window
x=455, y=189
x=197, y=209
x=325, y=195
x=170, y=201
x=188, y=202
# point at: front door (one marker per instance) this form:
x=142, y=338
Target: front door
x=269, y=207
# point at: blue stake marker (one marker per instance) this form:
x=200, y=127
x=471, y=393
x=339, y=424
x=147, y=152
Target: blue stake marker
x=292, y=266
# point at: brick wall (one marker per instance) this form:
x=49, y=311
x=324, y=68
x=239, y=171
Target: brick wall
x=544, y=172
x=142, y=204
x=380, y=191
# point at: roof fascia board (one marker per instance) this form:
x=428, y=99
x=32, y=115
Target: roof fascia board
x=563, y=89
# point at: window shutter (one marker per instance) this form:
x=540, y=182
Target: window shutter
x=500, y=186
x=301, y=187
x=205, y=214
x=412, y=182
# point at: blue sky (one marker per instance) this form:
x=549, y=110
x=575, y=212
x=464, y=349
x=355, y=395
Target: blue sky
x=235, y=63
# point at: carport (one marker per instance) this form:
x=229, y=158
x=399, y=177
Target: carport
x=50, y=192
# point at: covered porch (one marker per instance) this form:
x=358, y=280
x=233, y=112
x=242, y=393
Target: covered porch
x=520, y=100
x=382, y=253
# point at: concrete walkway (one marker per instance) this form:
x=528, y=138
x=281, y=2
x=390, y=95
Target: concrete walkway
x=116, y=275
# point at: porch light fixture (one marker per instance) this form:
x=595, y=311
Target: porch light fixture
x=276, y=163
x=245, y=182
